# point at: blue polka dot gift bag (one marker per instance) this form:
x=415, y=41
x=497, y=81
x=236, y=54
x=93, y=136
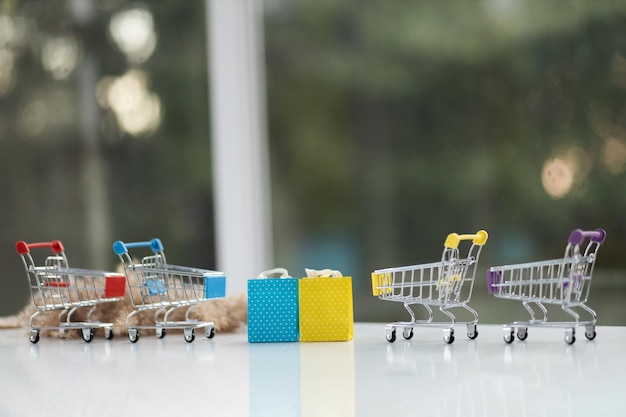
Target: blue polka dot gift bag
x=273, y=307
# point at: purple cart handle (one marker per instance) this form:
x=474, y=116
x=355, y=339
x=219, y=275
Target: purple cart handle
x=493, y=277
x=578, y=236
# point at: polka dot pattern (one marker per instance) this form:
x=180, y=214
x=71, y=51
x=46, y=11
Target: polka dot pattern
x=326, y=309
x=273, y=310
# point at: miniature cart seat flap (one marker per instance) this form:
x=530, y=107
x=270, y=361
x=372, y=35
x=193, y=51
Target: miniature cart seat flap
x=445, y=284
x=55, y=286
x=156, y=285
x=565, y=282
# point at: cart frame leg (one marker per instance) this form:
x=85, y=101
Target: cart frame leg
x=592, y=313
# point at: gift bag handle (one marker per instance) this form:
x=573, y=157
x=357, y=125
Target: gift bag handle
x=323, y=273
x=281, y=272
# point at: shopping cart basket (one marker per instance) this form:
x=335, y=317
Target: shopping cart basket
x=446, y=284
x=156, y=285
x=565, y=282
x=56, y=286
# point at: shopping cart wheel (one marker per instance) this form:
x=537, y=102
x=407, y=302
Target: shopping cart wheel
x=590, y=332
x=391, y=335
x=210, y=333
x=570, y=336
x=448, y=336
x=133, y=335
x=34, y=336
x=407, y=333
x=189, y=335
x=509, y=335
x=88, y=335
x=161, y=332
x=472, y=331
x=522, y=333
x=108, y=333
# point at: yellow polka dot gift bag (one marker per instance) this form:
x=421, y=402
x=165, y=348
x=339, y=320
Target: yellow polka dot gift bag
x=273, y=307
x=326, y=307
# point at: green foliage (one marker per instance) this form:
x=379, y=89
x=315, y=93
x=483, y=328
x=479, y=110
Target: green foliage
x=391, y=124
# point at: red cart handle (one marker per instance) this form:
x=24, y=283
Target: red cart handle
x=23, y=248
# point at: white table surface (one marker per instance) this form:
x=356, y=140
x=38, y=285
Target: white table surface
x=227, y=376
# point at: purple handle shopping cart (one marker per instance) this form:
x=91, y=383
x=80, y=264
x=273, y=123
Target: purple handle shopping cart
x=565, y=282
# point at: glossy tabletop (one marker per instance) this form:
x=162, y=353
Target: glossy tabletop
x=227, y=376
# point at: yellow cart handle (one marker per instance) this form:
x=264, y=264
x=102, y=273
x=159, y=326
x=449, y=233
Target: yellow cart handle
x=453, y=239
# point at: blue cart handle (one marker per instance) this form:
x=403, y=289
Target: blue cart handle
x=120, y=247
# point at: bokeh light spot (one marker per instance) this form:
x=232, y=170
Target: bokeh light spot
x=557, y=178
x=60, y=55
x=618, y=69
x=7, y=72
x=600, y=118
x=133, y=33
x=138, y=110
x=33, y=118
x=614, y=155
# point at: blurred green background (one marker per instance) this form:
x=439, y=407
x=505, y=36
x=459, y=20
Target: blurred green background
x=391, y=124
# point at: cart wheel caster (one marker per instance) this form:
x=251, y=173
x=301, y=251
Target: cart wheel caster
x=522, y=333
x=472, y=331
x=189, y=335
x=34, y=336
x=570, y=336
x=133, y=335
x=87, y=335
x=448, y=336
x=108, y=333
x=509, y=335
x=407, y=333
x=210, y=334
x=391, y=336
x=160, y=332
x=590, y=332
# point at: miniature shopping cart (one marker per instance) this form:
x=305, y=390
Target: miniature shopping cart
x=565, y=282
x=156, y=285
x=56, y=286
x=446, y=284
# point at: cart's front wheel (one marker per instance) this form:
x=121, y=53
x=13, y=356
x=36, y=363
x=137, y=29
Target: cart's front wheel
x=407, y=333
x=133, y=335
x=210, y=334
x=391, y=335
x=590, y=333
x=522, y=333
x=448, y=336
x=509, y=336
x=87, y=335
x=472, y=331
x=189, y=335
x=34, y=336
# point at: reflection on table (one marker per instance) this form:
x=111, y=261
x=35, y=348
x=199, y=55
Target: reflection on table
x=302, y=379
